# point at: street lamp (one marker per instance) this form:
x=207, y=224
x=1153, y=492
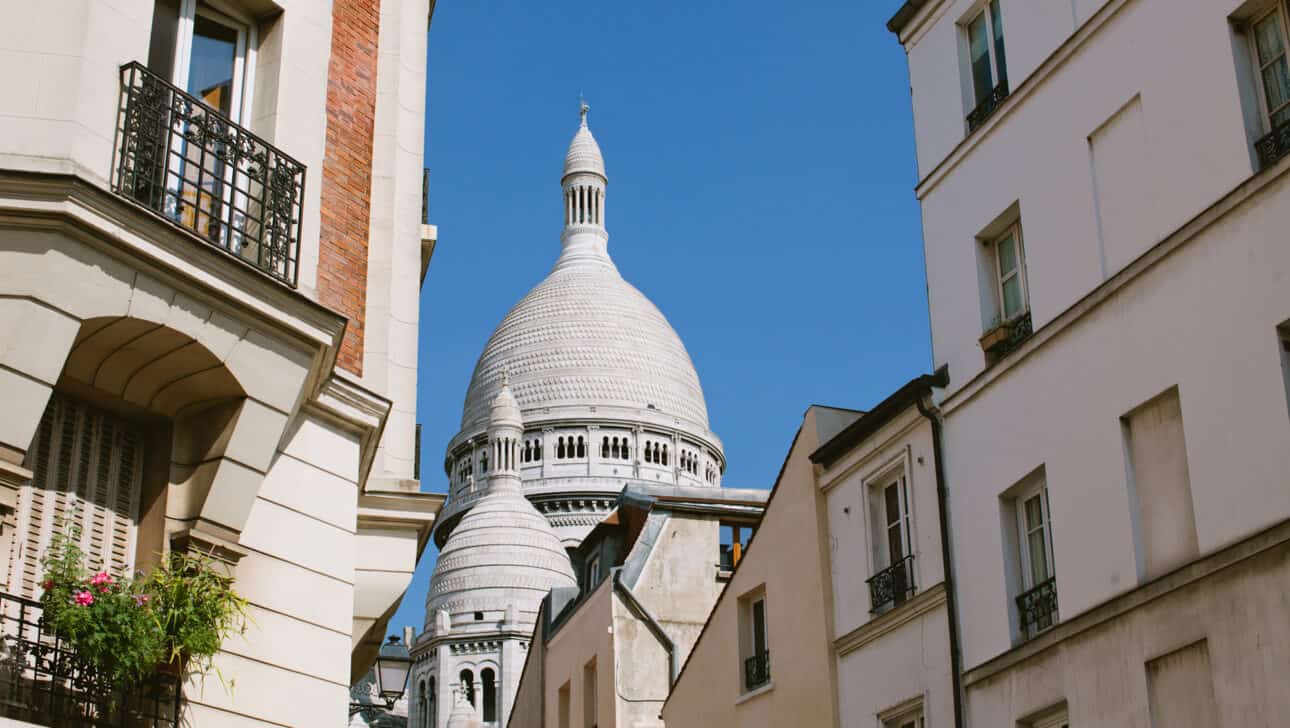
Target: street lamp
x=393, y=663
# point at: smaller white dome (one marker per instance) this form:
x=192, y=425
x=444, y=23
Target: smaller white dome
x=584, y=153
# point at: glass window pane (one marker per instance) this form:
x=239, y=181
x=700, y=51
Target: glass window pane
x=210, y=73
x=1000, y=58
x=1276, y=83
x=1007, y=255
x=1038, y=557
x=1267, y=38
x=895, y=549
x=1281, y=117
x=759, y=627
x=979, y=50
x=1034, y=513
x=892, y=499
x=1012, y=299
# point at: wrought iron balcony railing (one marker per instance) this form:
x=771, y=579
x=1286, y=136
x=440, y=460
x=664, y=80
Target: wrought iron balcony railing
x=983, y=110
x=757, y=670
x=199, y=170
x=1273, y=146
x=1038, y=608
x=43, y=682
x=891, y=586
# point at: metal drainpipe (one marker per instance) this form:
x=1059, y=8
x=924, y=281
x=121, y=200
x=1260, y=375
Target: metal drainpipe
x=951, y=603
x=654, y=626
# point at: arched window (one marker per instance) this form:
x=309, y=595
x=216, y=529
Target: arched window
x=468, y=686
x=483, y=463
x=537, y=449
x=430, y=719
x=423, y=704
x=665, y=454
x=627, y=451
x=489, y=685
x=615, y=448
x=604, y=448
x=559, y=449
x=582, y=450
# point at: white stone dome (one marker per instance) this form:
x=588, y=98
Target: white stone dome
x=503, y=554
x=584, y=153
x=586, y=337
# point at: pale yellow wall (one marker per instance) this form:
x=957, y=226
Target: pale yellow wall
x=787, y=557
x=585, y=636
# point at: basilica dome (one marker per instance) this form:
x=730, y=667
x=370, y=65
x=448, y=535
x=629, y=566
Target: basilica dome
x=584, y=336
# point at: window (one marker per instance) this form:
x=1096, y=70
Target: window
x=1010, y=274
x=1180, y=688
x=592, y=572
x=207, y=49
x=908, y=719
x=1269, y=41
x=1283, y=340
x=590, y=717
x=468, y=686
x=1037, y=604
x=754, y=645
x=987, y=62
x=734, y=540
x=488, y=681
x=430, y=719
x=563, y=707
x=892, y=582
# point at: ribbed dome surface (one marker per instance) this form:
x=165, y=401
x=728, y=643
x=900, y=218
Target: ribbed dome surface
x=585, y=336
x=584, y=154
x=502, y=553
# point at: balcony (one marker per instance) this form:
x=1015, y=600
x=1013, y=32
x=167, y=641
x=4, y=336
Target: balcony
x=42, y=681
x=1273, y=146
x=1038, y=608
x=983, y=110
x=198, y=170
x=1003, y=338
x=757, y=671
x=890, y=587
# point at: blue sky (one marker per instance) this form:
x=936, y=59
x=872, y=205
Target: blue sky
x=761, y=171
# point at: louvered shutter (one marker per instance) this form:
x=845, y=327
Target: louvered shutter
x=85, y=461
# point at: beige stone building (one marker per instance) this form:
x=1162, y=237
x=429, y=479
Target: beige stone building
x=212, y=234
x=605, y=653
x=765, y=656
x=1105, y=196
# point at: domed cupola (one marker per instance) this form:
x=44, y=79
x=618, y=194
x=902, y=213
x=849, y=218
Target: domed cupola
x=503, y=557
x=607, y=390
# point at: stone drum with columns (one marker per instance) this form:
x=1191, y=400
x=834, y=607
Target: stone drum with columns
x=583, y=389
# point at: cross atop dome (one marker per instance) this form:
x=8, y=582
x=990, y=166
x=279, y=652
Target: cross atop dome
x=584, y=107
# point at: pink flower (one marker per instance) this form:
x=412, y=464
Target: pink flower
x=101, y=578
x=140, y=599
x=84, y=598
x=47, y=584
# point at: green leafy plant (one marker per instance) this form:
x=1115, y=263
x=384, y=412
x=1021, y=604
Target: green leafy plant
x=196, y=609
x=107, y=620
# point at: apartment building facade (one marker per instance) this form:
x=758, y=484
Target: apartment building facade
x=212, y=238
x=1104, y=199
x=891, y=638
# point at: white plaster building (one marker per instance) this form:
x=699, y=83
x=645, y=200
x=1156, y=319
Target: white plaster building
x=1105, y=206
x=211, y=235
x=607, y=397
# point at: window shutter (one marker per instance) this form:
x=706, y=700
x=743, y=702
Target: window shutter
x=88, y=462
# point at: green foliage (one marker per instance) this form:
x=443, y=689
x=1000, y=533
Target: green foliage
x=107, y=620
x=176, y=617
x=196, y=609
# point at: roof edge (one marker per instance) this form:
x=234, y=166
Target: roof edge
x=886, y=410
x=906, y=13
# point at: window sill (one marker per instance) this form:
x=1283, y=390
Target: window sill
x=755, y=693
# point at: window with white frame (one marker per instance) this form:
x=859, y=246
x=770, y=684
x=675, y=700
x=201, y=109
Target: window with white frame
x=892, y=581
x=1010, y=273
x=911, y=719
x=207, y=48
x=986, y=54
x=1054, y=717
x=1037, y=603
x=1269, y=42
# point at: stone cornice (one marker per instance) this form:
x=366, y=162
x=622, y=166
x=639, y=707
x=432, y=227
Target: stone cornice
x=357, y=409
x=890, y=621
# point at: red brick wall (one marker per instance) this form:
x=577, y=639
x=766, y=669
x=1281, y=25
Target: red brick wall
x=347, y=170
